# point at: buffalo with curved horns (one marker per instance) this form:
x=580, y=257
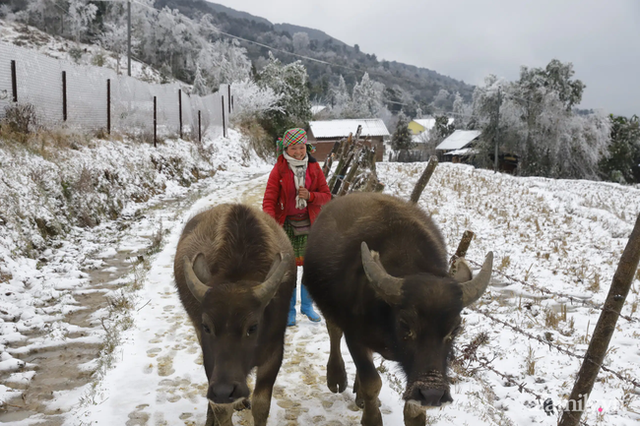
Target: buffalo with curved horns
x=377, y=268
x=235, y=273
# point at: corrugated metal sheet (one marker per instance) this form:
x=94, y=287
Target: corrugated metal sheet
x=342, y=128
x=429, y=123
x=458, y=139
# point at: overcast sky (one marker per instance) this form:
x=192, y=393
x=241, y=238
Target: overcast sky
x=469, y=39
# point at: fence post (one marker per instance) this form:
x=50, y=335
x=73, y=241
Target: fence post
x=199, y=126
x=229, y=97
x=108, y=106
x=180, y=110
x=224, y=126
x=155, y=122
x=14, y=81
x=64, y=96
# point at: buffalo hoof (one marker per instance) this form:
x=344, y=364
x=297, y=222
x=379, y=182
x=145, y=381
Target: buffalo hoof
x=414, y=414
x=371, y=418
x=243, y=404
x=336, y=377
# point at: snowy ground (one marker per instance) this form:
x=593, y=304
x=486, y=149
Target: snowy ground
x=562, y=236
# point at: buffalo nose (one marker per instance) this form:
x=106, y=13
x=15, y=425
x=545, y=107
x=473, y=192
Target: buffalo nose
x=432, y=397
x=224, y=393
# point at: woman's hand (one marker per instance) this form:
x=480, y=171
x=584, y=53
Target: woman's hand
x=303, y=193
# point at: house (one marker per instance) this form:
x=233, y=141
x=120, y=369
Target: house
x=320, y=111
x=458, y=145
x=324, y=134
x=420, y=125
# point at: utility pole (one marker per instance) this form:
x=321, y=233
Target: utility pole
x=495, y=134
x=129, y=38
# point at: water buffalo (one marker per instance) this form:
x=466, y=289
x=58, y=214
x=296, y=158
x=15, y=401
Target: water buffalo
x=235, y=273
x=377, y=268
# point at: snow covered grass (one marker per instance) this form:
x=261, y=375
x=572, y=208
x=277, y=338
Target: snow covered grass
x=68, y=211
x=556, y=243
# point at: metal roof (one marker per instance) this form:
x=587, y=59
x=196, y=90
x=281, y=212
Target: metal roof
x=458, y=139
x=342, y=128
x=429, y=123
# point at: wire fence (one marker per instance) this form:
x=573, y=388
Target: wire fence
x=570, y=298
x=95, y=98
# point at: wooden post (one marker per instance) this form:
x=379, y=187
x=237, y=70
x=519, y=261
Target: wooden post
x=155, y=122
x=326, y=168
x=199, y=126
x=350, y=176
x=64, y=96
x=180, y=110
x=605, y=327
x=224, y=126
x=424, y=179
x=14, y=81
x=229, y=97
x=108, y=106
x=461, y=252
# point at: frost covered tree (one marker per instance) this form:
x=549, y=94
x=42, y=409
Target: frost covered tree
x=401, y=138
x=200, y=86
x=366, y=99
x=252, y=101
x=462, y=112
x=224, y=62
x=533, y=119
x=300, y=42
x=80, y=15
x=340, y=98
x=622, y=160
x=442, y=101
x=290, y=82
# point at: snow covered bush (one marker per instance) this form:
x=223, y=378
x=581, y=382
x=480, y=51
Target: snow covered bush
x=251, y=101
x=85, y=183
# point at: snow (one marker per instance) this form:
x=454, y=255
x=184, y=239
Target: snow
x=563, y=236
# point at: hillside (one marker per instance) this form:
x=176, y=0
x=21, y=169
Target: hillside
x=405, y=83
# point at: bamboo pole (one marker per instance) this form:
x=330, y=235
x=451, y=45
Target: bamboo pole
x=424, y=179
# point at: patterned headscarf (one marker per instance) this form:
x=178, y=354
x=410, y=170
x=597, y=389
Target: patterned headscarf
x=293, y=137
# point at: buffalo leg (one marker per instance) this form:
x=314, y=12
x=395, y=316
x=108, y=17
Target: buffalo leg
x=265, y=378
x=414, y=414
x=368, y=383
x=336, y=373
x=219, y=415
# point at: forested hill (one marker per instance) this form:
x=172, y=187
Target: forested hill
x=411, y=85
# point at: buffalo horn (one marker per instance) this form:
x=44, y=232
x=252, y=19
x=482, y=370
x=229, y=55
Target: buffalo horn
x=473, y=289
x=195, y=285
x=389, y=288
x=265, y=291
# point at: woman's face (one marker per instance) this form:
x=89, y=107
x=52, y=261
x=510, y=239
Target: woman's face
x=297, y=151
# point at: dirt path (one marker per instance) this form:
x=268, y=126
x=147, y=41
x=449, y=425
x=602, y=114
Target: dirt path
x=60, y=359
x=159, y=378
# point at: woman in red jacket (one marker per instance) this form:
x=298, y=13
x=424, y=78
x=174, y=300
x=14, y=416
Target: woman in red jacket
x=295, y=192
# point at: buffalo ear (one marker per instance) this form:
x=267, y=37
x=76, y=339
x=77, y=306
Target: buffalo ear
x=197, y=288
x=201, y=269
x=387, y=287
x=460, y=270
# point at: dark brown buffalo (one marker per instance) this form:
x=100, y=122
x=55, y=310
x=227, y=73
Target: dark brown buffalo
x=235, y=273
x=377, y=268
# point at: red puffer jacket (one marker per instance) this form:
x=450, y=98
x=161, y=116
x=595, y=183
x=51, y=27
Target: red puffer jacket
x=281, y=190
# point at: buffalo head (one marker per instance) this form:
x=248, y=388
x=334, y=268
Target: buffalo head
x=426, y=310
x=231, y=323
